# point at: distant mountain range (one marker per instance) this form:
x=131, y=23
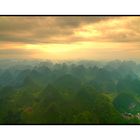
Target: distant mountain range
x=76, y=92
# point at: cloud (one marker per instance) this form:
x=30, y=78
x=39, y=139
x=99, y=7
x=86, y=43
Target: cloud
x=46, y=29
x=69, y=36
x=118, y=29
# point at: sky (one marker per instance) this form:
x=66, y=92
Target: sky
x=70, y=37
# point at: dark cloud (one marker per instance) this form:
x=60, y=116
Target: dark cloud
x=10, y=38
x=14, y=51
x=60, y=29
x=42, y=29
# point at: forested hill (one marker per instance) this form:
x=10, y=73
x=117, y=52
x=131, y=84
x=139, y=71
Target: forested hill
x=84, y=92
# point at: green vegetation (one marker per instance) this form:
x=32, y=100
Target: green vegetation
x=85, y=92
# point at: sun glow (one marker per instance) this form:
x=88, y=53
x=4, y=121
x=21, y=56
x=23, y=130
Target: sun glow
x=85, y=50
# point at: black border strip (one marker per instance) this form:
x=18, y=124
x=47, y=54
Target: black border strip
x=69, y=15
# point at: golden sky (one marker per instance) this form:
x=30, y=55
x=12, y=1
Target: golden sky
x=70, y=37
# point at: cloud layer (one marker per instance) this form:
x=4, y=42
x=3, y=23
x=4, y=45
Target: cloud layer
x=45, y=29
x=50, y=36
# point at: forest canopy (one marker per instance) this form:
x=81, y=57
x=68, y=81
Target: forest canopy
x=69, y=92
